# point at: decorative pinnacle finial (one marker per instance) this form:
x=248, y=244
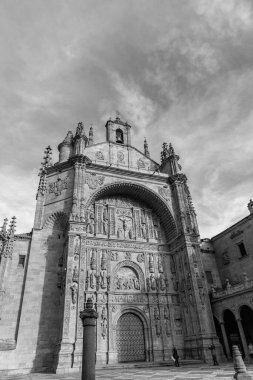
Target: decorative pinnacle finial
x=146, y=151
x=12, y=226
x=91, y=141
x=4, y=226
x=47, y=157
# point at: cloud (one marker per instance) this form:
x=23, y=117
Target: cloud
x=179, y=71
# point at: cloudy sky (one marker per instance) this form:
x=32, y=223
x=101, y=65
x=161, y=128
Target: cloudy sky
x=180, y=70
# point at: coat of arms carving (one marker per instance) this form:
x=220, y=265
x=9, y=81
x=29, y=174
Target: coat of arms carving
x=58, y=186
x=93, y=180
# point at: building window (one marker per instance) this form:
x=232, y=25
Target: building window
x=242, y=249
x=21, y=261
x=209, y=277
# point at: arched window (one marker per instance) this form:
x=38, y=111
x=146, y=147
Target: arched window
x=119, y=136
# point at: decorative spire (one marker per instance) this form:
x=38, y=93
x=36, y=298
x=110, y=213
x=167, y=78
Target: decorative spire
x=47, y=162
x=3, y=228
x=12, y=227
x=146, y=151
x=7, y=238
x=91, y=141
x=47, y=158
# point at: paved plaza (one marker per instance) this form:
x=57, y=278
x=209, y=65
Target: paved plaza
x=197, y=372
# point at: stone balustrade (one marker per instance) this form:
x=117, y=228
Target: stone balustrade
x=232, y=289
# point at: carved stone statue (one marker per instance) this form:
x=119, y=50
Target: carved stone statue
x=74, y=288
x=105, y=222
x=90, y=222
x=151, y=263
x=157, y=321
x=93, y=263
x=92, y=280
x=152, y=282
x=104, y=322
x=103, y=280
x=162, y=282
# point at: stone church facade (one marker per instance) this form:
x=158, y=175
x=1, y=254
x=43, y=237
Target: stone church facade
x=113, y=225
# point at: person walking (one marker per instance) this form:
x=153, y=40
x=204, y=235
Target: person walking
x=175, y=357
x=212, y=349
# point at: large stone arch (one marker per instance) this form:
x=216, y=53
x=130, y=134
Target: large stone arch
x=135, y=267
x=57, y=220
x=143, y=193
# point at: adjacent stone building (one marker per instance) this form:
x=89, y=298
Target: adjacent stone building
x=227, y=259
x=113, y=225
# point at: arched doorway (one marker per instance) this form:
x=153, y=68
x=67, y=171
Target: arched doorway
x=232, y=331
x=130, y=339
x=247, y=318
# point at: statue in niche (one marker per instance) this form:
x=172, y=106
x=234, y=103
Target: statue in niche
x=156, y=229
x=77, y=246
x=119, y=284
x=225, y=258
x=105, y=222
x=108, y=283
x=104, y=322
x=128, y=255
x=74, y=288
x=87, y=281
x=103, y=260
x=97, y=281
x=228, y=286
x=103, y=280
x=152, y=282
x=151, y=263
x=75, y=275
x=93, y=264
x=90, y=226
x=136, y=284
x=160, y=267
x=125, y=228
x=148, y=284
x=157, y=321
x=162, y=282
x=74, y=207
x=114, y=256
x=167, y=320
x=202, y=296
x=92, y=280
x=143, y=231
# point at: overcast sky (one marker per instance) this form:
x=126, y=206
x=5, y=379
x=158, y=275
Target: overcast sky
x=180, y=70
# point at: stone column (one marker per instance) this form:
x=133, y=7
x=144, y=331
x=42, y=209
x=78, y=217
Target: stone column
x=89, y=316
x=225, y=339
x=242, y=335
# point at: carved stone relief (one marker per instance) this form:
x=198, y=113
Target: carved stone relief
x=124, y=219
x=58, y=186
x=126, y=279
x=93, y=180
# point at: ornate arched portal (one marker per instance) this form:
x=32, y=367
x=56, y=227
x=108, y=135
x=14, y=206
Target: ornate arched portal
x=127, y=268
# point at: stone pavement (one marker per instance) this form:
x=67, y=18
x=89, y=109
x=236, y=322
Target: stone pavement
x=197, y=372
